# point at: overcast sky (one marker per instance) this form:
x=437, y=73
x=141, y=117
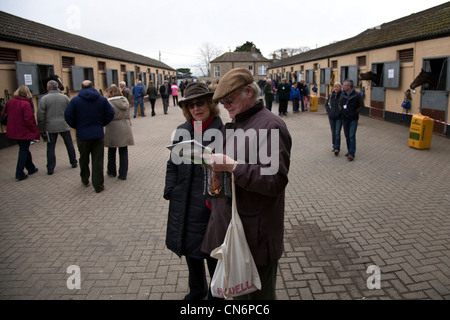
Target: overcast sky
x=179, y=28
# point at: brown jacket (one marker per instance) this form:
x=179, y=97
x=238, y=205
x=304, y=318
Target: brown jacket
x=260, y=198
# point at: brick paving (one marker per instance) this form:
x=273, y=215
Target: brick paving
x=390, y=208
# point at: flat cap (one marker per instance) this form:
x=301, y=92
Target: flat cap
x=231, y=81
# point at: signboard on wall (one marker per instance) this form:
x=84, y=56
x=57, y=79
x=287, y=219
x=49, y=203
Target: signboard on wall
x=391, y=74
x=26, y=72
x=28, y=79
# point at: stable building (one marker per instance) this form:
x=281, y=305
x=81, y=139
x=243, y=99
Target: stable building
x=31, y=52
x=254, y=62
x=394, y=53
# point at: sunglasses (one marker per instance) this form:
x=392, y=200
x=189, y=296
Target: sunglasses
x=229, y=100
x=199, y=103
x=226, y=100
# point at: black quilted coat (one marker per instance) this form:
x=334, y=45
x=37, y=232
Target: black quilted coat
x=188, y=211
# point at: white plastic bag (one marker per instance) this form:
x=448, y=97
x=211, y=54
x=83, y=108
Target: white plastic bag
x=236, y=272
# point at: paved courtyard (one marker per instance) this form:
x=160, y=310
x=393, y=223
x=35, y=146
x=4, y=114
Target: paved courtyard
x=387, y=212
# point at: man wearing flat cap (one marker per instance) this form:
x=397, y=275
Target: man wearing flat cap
x=260, y=184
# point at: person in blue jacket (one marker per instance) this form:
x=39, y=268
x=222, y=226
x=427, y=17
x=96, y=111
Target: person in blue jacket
x=88, y=113
x=139, y=93
x=295, y=97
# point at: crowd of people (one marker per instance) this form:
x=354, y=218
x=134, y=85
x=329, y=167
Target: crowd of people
x=296, y=92
x=99, y=123
x=196, y=223
x=152, y=92
x=343, y=107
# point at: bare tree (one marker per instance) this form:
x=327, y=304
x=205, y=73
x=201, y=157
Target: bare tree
x=290, y=51
x=208, y=52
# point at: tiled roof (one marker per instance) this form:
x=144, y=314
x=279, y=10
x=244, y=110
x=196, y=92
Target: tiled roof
x=429, y=24
x=19, y=30
x=241, y=57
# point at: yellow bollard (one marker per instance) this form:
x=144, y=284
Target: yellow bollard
x=421, y=131
x=314, y=104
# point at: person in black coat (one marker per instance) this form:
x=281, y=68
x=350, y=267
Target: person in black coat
x=165, y=92
x=284, y=95
x=335, y=117
x=351, y=104
x=189, y=209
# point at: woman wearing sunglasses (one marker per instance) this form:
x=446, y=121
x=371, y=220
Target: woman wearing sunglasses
x=189, y=210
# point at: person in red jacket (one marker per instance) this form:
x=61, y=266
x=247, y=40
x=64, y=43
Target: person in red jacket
x=22, y=126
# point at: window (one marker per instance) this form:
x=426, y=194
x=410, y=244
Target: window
x=143, y=78
x=334, y=64
x=160, y=79
x=250, y=68
x=123, y=68
x=361, y=61
x=8, y=56
x=79, y=74
x=216, y=71
x=288, y=76
x=438, y=67
x=310, y=76
x=262, y=70
x=406, y=55
x=130, y=79
x=322, y=76
x=68, y=62
x=349, y=73
x=112, y=77
x=377, y=68
x=101, y=66
x=34, y=75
